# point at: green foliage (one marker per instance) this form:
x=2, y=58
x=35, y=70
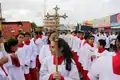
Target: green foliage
x=34, y=24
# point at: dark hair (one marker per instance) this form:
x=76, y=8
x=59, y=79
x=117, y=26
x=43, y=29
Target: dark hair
x=86, y=35
x=66, y=51
x=81, y=32
x=118, y=38
x=20, y=34
x=78, y=32
x=27, y=33
x=11, y=42
x=102, y=42
x=90, y=36
x=48, y=41
x=75, y=32
x=1, y=35
x=38, y=33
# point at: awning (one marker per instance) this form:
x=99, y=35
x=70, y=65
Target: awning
x=115, y=27
x=115, y=24
x=102, y=26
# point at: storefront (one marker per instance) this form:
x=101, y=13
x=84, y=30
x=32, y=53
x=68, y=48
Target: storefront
x=115, y=27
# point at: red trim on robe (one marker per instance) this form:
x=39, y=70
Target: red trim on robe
x=15, y=61
x=116, y=63
x=27, y=42
x=33, y=74
x=1, y=64
x=85, y=76
x=78, y=64
x=4, y=70
x=81, y=38
x=92, y=45
x=74, y=34
x=85, y=42
x=37, y=62
x=101, y=50
x=60, y=60
x=39, y=36
x=49, y=46
x=27, y=76
x=20, y=45
x=51, y=77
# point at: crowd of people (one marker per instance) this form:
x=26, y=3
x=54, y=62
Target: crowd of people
x=81, y=56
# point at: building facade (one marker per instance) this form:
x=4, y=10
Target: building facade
x=11, y=29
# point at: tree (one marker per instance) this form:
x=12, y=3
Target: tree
x=33, y=25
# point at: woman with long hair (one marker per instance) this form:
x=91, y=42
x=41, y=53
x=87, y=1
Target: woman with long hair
x=67, y=69
x=107, y=67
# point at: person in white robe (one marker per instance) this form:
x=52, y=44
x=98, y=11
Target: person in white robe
x=107, y=67
x=45, y=38
x=101, y=51
x=67, y=69
x=3, y=71
x=13, y=65
x=32, y=50
x=68, y=38
x=85, y=55
x=24, y=55
x=107, y=42
x=72, y=39
x=38, y=40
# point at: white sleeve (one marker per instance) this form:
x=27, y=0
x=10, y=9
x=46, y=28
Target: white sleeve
x=96, y=69
x=9, y=63
x=3, y=49
x=42, y=54
x=78, y=44
x=44, y=74
x=34, y=52
x=73, y=74
x=1, y=55
x=28, y=56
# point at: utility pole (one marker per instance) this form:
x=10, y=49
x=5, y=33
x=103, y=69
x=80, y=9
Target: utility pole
x=1, y=18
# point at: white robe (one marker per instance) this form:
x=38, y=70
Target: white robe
x=68, y=39
x=75, y=43
x=45, y=40
x=39, y=43
x=102, y=68
x=102, y=37
x=3, y=76
x=48, y=68
x=24, y=56
x=82, y=43
x=71, y=41
x=16, y=73
x=107, y=42
x=32, y=50
x=44, y=52
x=84, y=56
x=104, y=53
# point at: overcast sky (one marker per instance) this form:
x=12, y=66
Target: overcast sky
x=77, y=10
